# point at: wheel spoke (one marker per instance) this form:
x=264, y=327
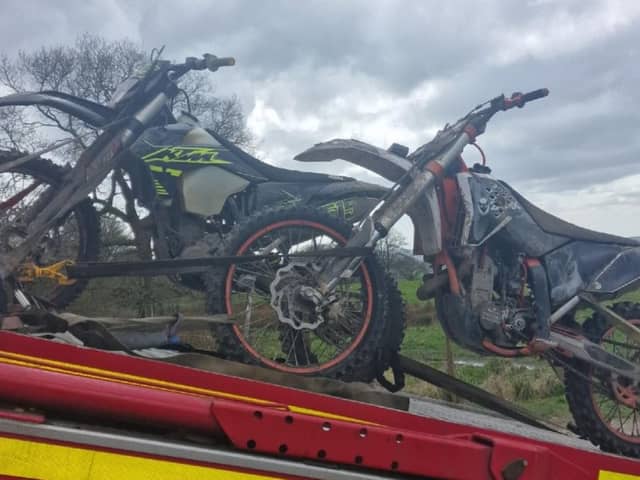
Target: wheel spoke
x=22, y=194
x=609, y=416
x=266, y=330
x=620, y=417
x=292, y=349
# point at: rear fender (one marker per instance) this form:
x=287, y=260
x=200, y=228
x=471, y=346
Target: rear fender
x=354, y=188
x=92, y=113
x=351, y=200
x=351, y=209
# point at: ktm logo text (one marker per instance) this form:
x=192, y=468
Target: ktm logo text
x=193, y=155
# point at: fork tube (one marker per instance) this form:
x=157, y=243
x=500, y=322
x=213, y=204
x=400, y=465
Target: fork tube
x=380, y=222
x=389, y=214
x=622, y=323
x=92, y=167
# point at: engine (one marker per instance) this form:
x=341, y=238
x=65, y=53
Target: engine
x=500, y=300
x=495, y=303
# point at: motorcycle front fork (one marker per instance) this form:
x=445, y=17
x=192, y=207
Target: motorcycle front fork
x=375, y=227
x=593, y=354
x=418, y=180
x=578, y=347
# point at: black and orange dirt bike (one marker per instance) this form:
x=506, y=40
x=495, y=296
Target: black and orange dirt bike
x=195, y=184
x=508, y=280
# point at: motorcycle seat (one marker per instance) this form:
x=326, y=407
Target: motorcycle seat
x=277, y=174
x=556, y=226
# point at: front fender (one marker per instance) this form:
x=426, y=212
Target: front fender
x=424, y=214
x=377, y=160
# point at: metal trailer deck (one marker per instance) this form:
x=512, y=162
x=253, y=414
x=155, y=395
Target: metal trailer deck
x=93, y=414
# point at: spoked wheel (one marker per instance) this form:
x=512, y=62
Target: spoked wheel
x=606, y=407
x=75, y=236
x=277, y=322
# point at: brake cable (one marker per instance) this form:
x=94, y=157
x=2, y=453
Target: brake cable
x=484, y=158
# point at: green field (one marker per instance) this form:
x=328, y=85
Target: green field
x=530, y=383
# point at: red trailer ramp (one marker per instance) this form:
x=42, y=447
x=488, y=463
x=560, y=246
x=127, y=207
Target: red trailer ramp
x=110, y=415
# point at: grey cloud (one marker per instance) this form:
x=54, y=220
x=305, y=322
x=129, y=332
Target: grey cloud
x=387, y=38
x=28, y=24
x=323, y=60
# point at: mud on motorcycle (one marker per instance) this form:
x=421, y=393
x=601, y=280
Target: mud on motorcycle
x=508, y=280
x=195, y=184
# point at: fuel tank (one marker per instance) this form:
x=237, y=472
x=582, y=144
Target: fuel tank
x=188, y=164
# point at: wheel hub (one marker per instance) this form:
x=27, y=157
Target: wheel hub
x=625, y=394
x=294, y=299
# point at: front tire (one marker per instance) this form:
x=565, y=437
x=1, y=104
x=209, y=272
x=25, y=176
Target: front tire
x=357, y=338
x=606, y=408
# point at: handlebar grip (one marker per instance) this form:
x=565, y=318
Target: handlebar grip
x=226, y=61
x=535, y=95
x=213, y=63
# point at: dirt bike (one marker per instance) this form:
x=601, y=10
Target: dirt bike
x=508, y=279
x=195, y=183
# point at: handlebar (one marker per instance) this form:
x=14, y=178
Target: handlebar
x=162, y=75
x=207, y=62
x=479, y=118
x=519, y=99
x=213, y=63
x=472, y=124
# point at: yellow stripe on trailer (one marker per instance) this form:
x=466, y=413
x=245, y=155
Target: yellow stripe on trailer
x=605, y=475
x=96, y=373
x=38, y=460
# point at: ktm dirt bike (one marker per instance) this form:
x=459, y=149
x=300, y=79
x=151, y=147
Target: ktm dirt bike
x=507, y=280
x=196, y=185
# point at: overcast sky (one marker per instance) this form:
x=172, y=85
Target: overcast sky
x=396, y=71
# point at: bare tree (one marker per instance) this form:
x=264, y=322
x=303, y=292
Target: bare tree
x=92, y=68
x=223, y=115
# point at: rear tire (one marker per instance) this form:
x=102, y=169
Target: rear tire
x=83, y=216
x=360, y=363
x=596, y=408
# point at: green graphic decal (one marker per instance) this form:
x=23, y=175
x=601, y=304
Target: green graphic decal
x=174, y=172
x=160, y=190
x=340, y=208
x=193, y=155
x=290, y=200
